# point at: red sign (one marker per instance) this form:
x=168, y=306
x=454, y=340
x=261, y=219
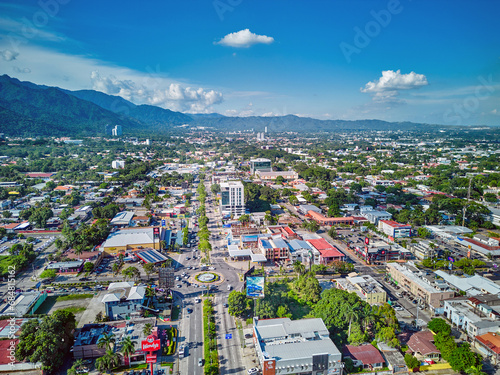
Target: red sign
x=156, y=230
x=151, y=344
x=150, y=359
x=367, y=240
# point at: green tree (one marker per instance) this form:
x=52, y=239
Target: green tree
x=47, y=340
x=438, y=325
x=88, y=266
x=76, y=366
x=411, y=361
x=128, y=347
x=107, y=341
x=149, y=268
x=108, y=361
x=48, y=274
x=237, y=303
x=147, y=329
x=463, y=358
x=131, y=272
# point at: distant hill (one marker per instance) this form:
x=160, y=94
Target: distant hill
x=29, y=109
x=148, y=114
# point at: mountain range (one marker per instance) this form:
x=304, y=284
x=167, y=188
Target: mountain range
x=28, y=109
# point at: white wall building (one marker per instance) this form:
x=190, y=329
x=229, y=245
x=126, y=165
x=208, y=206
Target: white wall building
x=118, y=164
x=232, y=198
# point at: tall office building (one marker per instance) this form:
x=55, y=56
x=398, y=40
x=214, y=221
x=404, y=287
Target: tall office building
x=232, y=199
x=108, y=129
x=117, y=131
x=260, y=164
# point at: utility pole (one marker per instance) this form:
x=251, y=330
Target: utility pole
x=468, y=199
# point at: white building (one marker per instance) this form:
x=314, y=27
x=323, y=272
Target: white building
x=232, y=198
x=394, y=229
x=302, y=346
x=118, y=164
x=117, y=131
x=260, y=164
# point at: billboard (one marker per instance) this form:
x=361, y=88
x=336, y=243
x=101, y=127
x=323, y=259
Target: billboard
x=255, y=286
x=151, y=344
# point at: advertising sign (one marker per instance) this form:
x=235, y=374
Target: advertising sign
x=255, y=286
x=151, y=344
x=156, y=232
x=150, y=359
x=367, y=241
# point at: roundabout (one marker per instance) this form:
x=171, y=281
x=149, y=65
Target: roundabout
x=207, y=277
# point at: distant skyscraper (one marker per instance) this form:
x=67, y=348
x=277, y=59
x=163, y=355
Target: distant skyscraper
x=117, y=131
x=265, y=130
x=108, y=129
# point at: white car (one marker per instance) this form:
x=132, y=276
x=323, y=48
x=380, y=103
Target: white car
x=253, y=370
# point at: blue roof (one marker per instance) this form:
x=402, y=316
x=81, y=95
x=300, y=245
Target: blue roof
x=279, y=243
x=266, y=244
x=299, y=244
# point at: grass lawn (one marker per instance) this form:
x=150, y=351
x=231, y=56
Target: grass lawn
x=74, y=310
x=141, y=366
x=74, y=296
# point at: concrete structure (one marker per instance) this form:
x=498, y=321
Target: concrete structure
x=25, y=303
x=489, y=346
x=423, y=249
x=118, y=164
x=472, y=286
x=73, y=266
x=374, y=216
x=273, y=175
x=260, y=164
x=394, y=359
x=365, y=286
x=300, y=346
x=328, y=252
x=273, y=248
x=331, y=221
x=86, y=338
x=117, y=131
x=122, y=219
x=124, y=300
x=232, y=202
x=471, y=317
x=413, y=281
x=129, y=239
x=394, y=229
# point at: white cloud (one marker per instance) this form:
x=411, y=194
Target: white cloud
x=8, y=55
x=494, y=112
x=173, y=96
x=244, y=39
x=387, y=87
x=19, y=70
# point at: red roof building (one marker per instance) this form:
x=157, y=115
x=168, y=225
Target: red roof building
x=365, y=355
x=323, y=220
x=328, y=252
x=490, y=343
x=422, y=343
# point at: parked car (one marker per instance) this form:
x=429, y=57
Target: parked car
x=200, y=362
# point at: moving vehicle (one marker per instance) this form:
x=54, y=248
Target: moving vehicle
x=200, y=362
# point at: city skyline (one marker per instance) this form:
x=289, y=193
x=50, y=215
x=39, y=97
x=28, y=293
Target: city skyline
x=389, y=60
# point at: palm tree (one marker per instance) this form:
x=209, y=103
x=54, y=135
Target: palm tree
x=107, y=340
x=128, y=347
x=108, y=361
x=147, y=329
x=115, y=268
x=299, y=267
x=351, y=314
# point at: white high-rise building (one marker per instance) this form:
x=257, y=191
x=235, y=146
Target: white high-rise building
x=118, y=164
x=232, y=198
x=117, y=131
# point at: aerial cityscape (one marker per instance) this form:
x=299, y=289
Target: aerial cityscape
x=249, y=187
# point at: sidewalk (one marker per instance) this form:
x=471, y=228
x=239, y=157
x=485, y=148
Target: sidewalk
x=248, y=355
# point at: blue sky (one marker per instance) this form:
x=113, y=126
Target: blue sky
x=422, y=61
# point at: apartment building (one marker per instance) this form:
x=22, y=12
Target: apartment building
x=232, y=201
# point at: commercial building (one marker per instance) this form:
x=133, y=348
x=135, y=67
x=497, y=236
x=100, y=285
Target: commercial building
x=86, y=338
x=273, y=175
x=394, y=229
x=118, y=164
x=260, y=164
x=418, y=284
x=117, y=131
x=124, y=300
x=273, y=248
x=366, y=287
x=25, y=303
x=328, y=252
x=232, y=202
x=130, y=239
x=122, y=219
x=471, y=286
x=375, y=216
x=74, y=266
x=331, y=221
x=302, y=346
